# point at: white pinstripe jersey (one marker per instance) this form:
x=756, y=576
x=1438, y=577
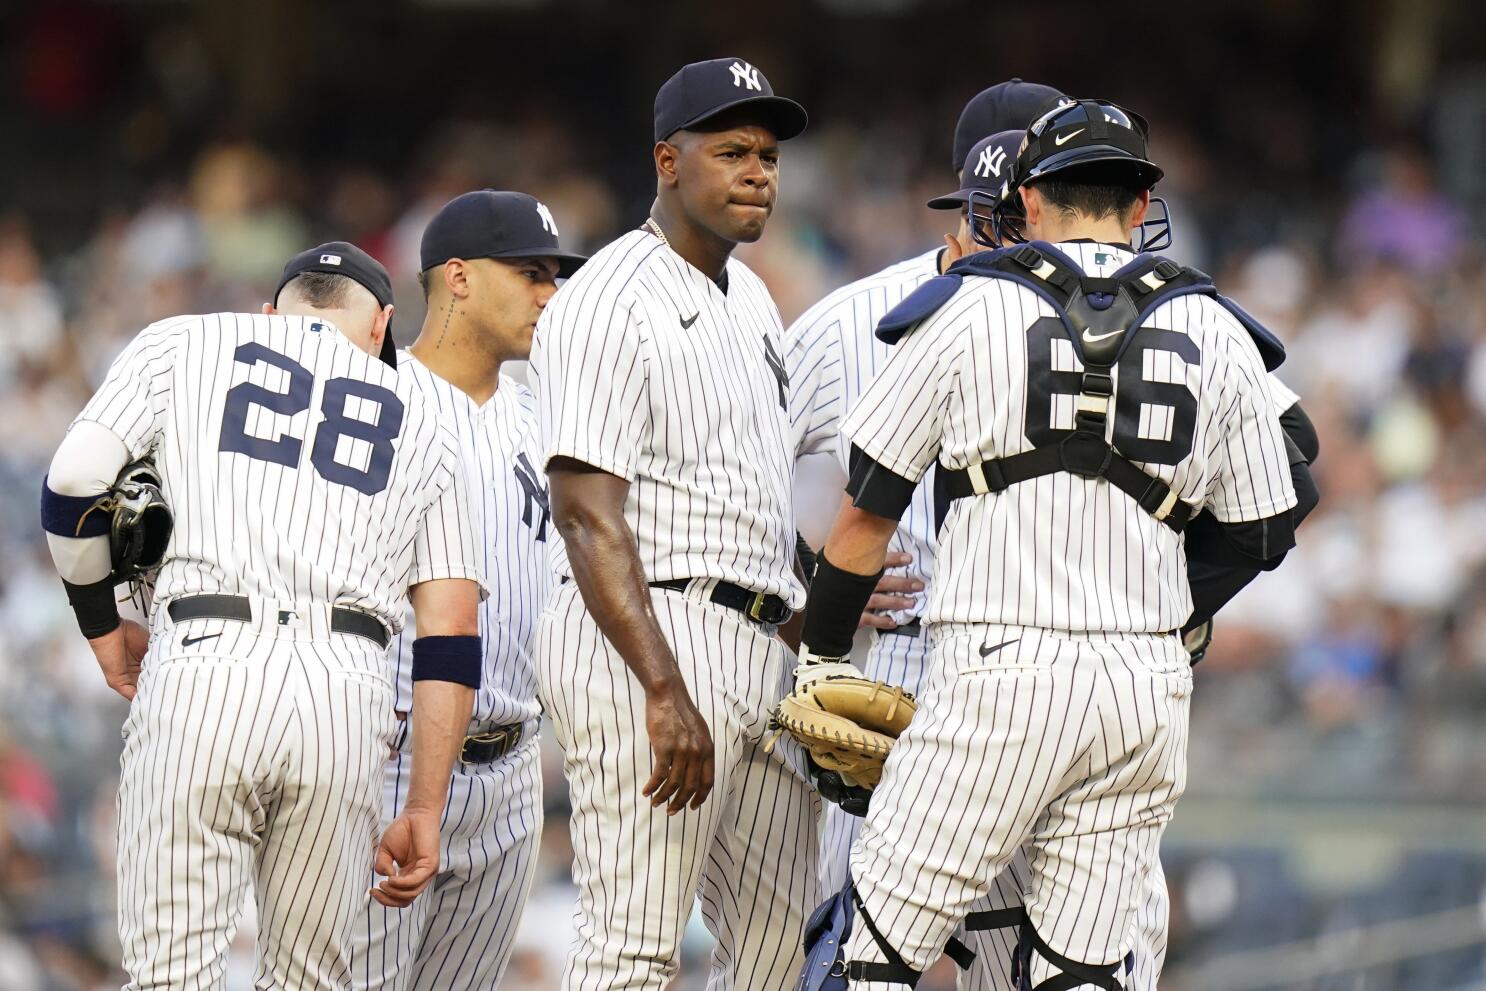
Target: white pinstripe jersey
x=508, y=513
x=831, y=355
x=1063, y=552
x=645, y=368
x=298, y=467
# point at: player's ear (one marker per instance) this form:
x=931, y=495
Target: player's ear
x=1032, y=204
x=268, y=310
x=666, y=155
x=1138, y=212
x=379, y=328
x=456, y=278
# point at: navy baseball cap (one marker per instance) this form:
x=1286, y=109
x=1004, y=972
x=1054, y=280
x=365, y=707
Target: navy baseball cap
x=344, y=258
x=1011, y=105
x=493, y=224
x=988, y=169
x=702, y=90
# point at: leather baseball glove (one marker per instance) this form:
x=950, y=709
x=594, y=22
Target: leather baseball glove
x=848, y=725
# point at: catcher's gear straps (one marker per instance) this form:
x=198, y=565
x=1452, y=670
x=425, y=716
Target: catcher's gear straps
x=1074, y=974
x=896, y=970
x=1098, y=315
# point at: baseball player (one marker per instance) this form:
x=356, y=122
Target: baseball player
x=490, y=261
x=831, y=356
x=1077, y=434
x=662, y=396
x=312, y=489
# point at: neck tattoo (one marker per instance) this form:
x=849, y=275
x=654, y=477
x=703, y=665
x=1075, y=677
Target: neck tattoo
x=447, y=314
x=654, y=228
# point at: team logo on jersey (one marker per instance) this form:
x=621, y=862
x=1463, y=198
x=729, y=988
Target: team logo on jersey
x=777, y=367
x=548, y=224
x=536, y=495
x=330, y=259
x=746, y=76
x=991, y=160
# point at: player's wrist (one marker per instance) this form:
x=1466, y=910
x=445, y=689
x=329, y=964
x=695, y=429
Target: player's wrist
x=813, y=667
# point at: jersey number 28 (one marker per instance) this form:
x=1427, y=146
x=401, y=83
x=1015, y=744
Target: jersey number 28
x=286, y=449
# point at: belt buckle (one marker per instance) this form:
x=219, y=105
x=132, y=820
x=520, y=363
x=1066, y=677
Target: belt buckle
x=756, y=607
x=502, y=741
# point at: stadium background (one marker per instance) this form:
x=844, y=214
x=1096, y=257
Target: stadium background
x=1327, y=161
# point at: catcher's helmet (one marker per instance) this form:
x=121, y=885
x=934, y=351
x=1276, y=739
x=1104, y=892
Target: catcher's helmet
x=1092, y=141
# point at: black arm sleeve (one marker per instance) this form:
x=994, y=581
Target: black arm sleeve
x=837, y=599
x=878, y=490
x=94, y=606
x=1302, y=432
x=1223, y=560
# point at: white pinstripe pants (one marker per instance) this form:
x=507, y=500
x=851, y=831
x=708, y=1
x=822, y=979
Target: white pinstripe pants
x=749, y=851
x=1072, y=746
x=459, y=933
x=250, y=757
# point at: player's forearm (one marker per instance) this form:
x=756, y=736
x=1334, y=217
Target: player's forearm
x=588, y=510
x=441, y=717
x=846, y=575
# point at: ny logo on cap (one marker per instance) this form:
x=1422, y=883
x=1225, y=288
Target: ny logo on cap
x=991, y=160
x=330, y=259
x=548, y=224
x=745, y=75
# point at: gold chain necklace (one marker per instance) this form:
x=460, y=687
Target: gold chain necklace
x=654, y=228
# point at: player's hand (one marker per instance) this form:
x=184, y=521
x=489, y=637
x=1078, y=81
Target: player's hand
x=893, y=592
x=682, y=747
x=407, y=858
x=120, y=655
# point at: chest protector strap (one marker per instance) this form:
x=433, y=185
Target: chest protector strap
x=1101, y=316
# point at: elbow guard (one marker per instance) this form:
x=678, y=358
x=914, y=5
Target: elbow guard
x=456, y=659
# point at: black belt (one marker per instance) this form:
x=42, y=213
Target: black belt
x=238, y=608
x=912, y=628
x=757, y=606
x=483, y=748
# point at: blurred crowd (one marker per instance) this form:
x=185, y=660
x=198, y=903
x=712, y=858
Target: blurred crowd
x=1355, y=672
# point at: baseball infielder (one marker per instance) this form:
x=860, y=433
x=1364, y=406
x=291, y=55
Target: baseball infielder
x=490, y=261
x=312, y=487
x=662, y=396
x=1055, y=715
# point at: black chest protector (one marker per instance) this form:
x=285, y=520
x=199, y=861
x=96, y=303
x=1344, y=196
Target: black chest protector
x=1102, y=317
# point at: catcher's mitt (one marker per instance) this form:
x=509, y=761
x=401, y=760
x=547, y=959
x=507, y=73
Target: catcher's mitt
x=848, y=725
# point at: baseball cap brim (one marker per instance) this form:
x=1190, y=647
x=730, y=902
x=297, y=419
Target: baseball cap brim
x=567, y=262
x=786, y=118
x=952, y=201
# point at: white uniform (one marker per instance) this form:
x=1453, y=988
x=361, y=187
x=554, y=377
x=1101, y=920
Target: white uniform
x=645, y=368
x=1056, y=710
x=460, y=933
x=303, y=474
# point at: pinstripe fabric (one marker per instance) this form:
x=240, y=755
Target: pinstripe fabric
x=748, y=852
x=1073, y=744
x=250, y=761
x=302, y=473
x=645, y=368
x=249, y=526
x=832, y=355
x=1061, y=551
x=460, y=934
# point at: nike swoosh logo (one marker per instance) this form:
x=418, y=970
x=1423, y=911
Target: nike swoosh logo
x=1063, y=139
x=1096, y=338
x=988, y=651
x=189, y=641
x=688, y=321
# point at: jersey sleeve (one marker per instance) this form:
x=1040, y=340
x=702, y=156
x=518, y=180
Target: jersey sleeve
x=446, y=545
x=899, y=420
x=590, y=380
x=134, y=398
x=817, y=400
x=1284, y=396
x=1252, y=480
